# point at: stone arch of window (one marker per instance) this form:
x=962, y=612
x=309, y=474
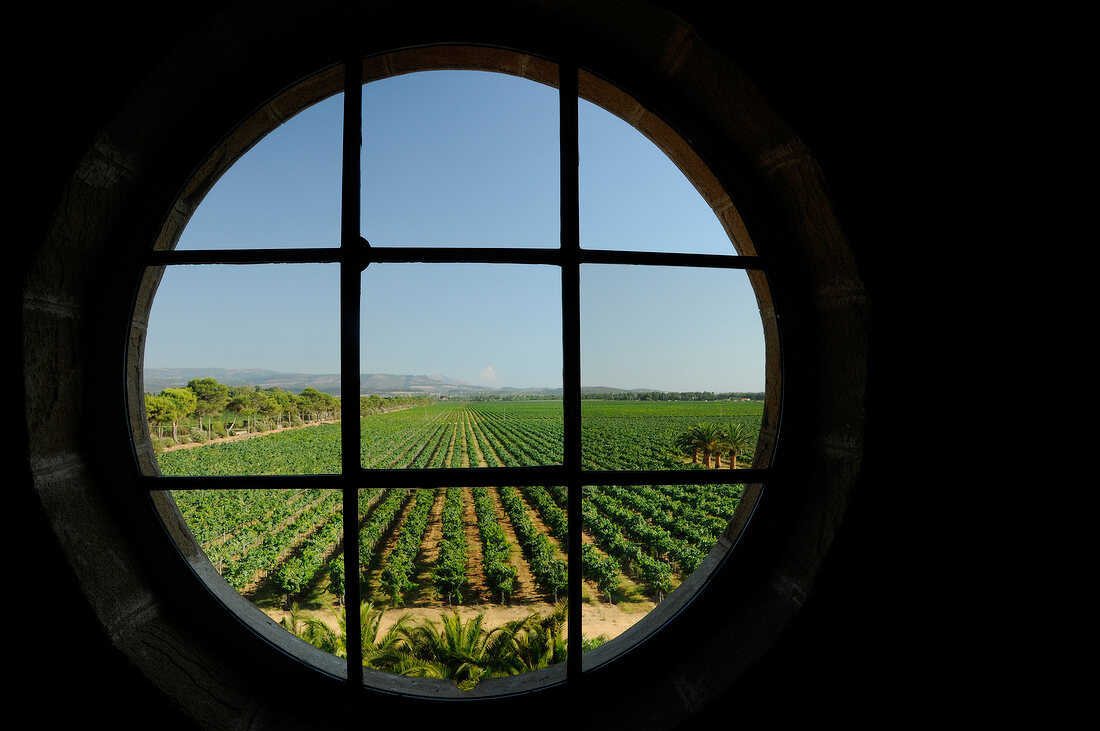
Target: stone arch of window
x=74, y=302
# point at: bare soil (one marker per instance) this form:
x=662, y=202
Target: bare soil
x=596, y=618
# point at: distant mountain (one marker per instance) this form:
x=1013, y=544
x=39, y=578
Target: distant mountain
x=388, y=383
x=382, y=384
x=609, y=389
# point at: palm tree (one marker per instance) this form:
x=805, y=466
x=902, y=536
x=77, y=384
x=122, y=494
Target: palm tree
x=530, y=643
x=379, y=653
x=455, y=650
x=705, y=437
x=685, y=442
x=462, y=651
x=294, y=621
x=737, y=439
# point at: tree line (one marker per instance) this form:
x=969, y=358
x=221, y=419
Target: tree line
x=676, y=396
x=205, y=408
x=618, y=396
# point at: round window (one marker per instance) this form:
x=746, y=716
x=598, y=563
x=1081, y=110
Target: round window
x=497, y=446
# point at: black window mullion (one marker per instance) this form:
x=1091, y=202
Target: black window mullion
x=670, y=259
x=571, y=339
x=241, y=482
x=350, y=286
x=319, y=255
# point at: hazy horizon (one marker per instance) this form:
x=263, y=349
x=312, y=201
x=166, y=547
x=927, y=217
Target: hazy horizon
x=438, y=376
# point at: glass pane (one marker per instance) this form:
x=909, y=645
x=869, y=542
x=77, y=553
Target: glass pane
x=239, y=364
x=642, y=542
x=482, y=558
x=461, y=365
x=280, y=549
x=491, y=559
x=460, y=158
x=663, y=351
x=284, y=192
x=633, y=198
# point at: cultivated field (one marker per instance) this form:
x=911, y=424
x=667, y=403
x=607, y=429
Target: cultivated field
x=497, y=550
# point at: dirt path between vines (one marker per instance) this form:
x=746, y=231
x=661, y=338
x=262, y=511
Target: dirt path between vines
x=425, y=594
x=525, y=589
x=475, y=591
x=372, y=590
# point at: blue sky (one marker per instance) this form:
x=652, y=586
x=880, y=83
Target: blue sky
x=458, y=159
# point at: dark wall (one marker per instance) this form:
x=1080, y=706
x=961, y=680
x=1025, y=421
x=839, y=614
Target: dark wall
x=849, y=89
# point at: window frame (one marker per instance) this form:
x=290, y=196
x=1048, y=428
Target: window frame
x=354, y=255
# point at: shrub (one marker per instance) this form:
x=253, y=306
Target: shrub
x=591, y=643
x=198, y=435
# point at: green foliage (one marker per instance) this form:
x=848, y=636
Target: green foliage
x=180, y=403
x=466, y=652
x=211, y=398
x=549, y=570
x=655, y=534
x=323, y=525
x=336, y=577
x=703, y=437
x=161, y=443
x=529, y=643
x=500, y=575
x=375, y=404
x=603, y=570
x=450, y=570
x=158, y=410
x=315, y=405
x=379, y=652
x=382, y=518
x=664, y=396
x=396, y=576
x=591, y=643
x=739, y=440
x=295, y=452
x=454, y=649
x=246, y=533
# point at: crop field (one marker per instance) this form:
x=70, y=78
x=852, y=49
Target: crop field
x=463, y=545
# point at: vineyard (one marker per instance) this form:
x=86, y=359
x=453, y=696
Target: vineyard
x=461, y=545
